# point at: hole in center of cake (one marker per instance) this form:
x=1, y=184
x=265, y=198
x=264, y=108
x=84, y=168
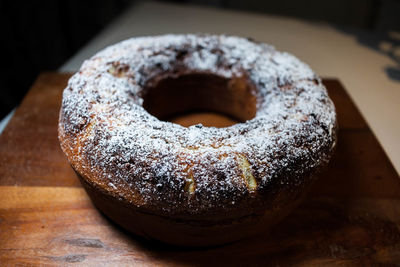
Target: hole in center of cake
x=209, y=99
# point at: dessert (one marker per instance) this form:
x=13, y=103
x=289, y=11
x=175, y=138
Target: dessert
x=196, y=185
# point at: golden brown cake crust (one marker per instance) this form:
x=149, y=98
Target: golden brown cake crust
x=197, y=173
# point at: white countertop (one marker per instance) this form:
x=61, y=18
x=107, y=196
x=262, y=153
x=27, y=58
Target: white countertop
x=328, y=50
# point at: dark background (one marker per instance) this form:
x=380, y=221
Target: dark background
x=41, y=35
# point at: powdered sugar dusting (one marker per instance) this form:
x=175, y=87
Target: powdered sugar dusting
x=108, y=136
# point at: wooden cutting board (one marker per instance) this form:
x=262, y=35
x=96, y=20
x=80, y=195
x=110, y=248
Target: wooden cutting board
x=351, y=217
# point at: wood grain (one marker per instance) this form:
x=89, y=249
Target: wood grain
x=29, y=149
x=351, y=217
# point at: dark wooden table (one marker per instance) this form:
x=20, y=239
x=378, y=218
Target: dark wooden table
x=351, y=217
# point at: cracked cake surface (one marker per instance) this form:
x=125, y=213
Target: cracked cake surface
x=194, y=172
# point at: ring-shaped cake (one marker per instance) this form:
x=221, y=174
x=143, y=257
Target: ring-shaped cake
x=196, y=185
